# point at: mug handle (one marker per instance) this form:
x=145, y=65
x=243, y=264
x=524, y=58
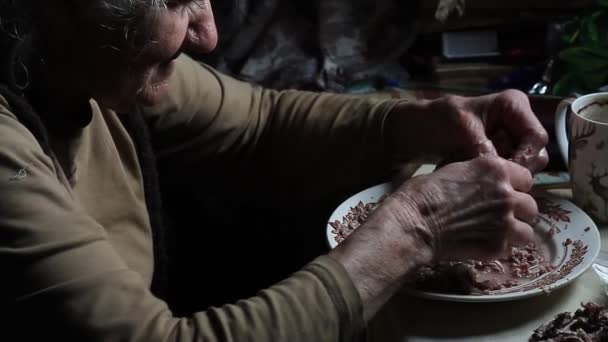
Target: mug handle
x=560, y=128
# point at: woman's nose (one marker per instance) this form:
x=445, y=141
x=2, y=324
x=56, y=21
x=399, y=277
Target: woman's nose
x=202, y=33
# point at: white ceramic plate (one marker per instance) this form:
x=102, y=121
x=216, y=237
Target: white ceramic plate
x=571, y=234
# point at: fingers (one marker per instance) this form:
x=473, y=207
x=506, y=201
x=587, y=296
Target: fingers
x=470, y=124
x=485, y=148
x=520, y=233
x=512, y=232
x=525, y=208
x=518, y=209
x=515, y=113
x=511, y=110
x=530, y=158
x=488, y=203
x=525, y=213
x=518, y=176
x=482, y=146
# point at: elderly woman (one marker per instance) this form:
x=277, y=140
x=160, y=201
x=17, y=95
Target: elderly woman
x=80, y=240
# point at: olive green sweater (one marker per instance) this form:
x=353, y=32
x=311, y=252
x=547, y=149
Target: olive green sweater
x=76, y=253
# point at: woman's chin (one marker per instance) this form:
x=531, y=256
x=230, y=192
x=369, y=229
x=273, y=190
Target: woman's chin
x=153, y=87
x=147, y=97
x=158, y=85
x=153, y=94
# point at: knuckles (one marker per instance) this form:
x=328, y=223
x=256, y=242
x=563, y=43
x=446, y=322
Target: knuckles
x=455, y=106
x=511, y=97
x=453, y=101
x=493, y=166
x=533, y=206
x=528, y=179
x=543, y=138
x=505, y=192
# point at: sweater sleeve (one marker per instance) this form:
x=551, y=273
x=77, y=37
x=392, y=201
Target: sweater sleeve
x=62, y=280
x=213, y=127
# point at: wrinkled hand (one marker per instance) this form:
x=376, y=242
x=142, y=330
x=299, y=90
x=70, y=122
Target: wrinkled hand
x=453, y=128
x=480, y=204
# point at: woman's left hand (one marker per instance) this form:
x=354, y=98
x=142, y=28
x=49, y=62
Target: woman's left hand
x=459, y=128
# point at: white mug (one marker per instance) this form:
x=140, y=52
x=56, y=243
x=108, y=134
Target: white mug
x=582, y=138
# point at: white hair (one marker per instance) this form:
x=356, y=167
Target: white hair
x=16, y=16
x=18, y=20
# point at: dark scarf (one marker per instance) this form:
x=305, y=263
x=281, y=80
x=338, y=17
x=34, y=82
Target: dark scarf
x=139, y=132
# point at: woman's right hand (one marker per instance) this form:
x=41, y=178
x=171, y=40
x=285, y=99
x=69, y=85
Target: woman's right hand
x=478, y=205
x=481, y=204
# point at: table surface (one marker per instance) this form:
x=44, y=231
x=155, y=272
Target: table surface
x=412, y=319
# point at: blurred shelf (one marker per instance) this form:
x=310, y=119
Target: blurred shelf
x=480, y=13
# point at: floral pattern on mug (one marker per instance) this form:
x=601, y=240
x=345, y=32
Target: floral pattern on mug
x=599, y=189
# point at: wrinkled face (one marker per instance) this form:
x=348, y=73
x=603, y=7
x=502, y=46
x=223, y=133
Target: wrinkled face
x=97, y=59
